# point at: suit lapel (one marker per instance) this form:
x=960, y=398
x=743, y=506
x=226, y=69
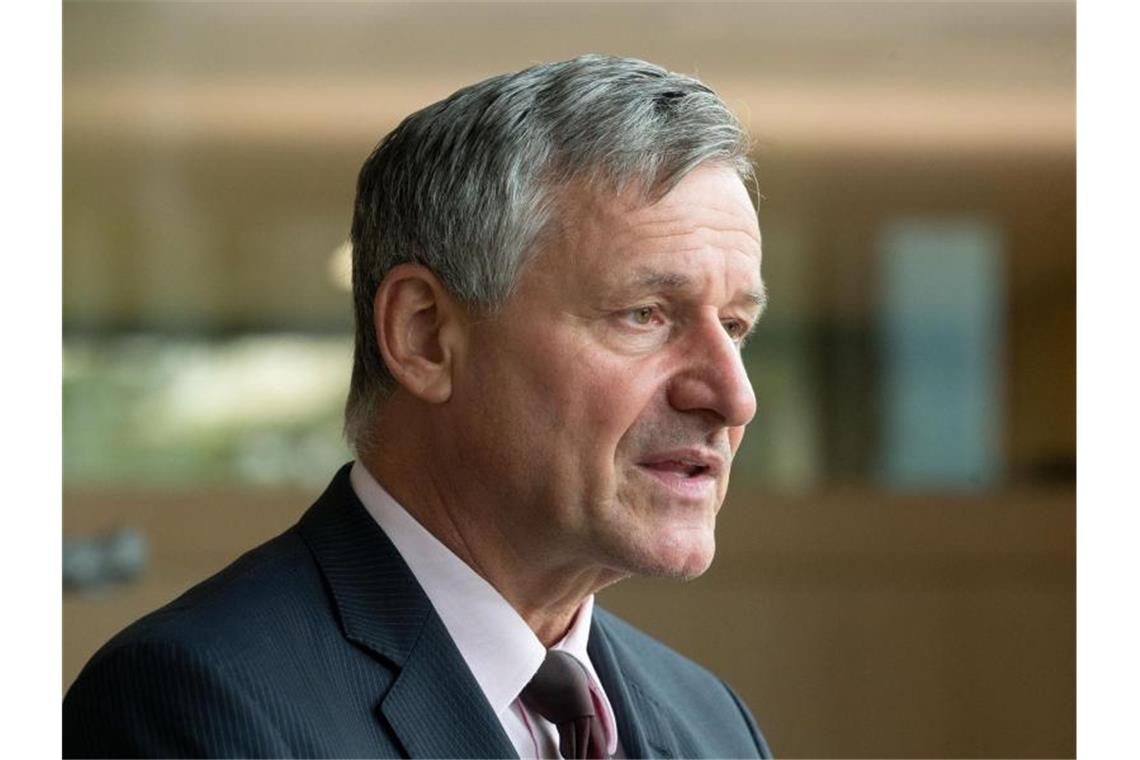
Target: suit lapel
x=437, y=708
x=434, y=706
x=642, y=727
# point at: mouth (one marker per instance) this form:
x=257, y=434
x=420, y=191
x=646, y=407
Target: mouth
x=684, y=468
x=690, y=474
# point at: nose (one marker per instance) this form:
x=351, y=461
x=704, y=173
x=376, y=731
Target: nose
x=713, y=377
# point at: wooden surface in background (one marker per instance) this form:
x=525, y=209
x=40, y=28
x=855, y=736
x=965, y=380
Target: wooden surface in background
x=855, y=624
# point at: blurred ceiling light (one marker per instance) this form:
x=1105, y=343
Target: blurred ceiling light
x=340, y=266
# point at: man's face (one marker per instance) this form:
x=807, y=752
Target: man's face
x=601, y=408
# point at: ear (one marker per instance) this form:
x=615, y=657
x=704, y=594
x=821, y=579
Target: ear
x=417, y=323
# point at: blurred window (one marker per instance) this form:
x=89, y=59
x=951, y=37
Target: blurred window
x=941, y=341
x=153, y=410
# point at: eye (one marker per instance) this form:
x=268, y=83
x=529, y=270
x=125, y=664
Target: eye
x=737, y=330
x=642, y=315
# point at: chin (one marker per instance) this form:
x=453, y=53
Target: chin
x=680, y=555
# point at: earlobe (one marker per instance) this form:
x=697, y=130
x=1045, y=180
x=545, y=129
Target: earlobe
x=413, y=315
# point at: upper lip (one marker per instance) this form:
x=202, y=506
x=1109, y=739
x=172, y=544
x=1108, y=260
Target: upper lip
x=710, y=460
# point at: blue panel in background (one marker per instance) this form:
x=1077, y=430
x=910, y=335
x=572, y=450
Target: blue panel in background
x=942, y=336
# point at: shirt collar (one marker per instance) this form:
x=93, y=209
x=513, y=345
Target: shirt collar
x=502, y=651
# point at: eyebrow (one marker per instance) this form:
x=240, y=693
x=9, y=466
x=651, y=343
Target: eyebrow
x=758, y=298
x=651, y=279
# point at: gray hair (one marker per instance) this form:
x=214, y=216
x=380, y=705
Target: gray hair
x=466, y=186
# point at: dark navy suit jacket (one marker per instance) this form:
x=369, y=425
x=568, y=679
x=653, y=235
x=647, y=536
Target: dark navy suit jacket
x=321, y=643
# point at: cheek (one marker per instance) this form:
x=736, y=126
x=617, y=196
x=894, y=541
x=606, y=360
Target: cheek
x=622, y=398
x=568, y=392
x=596, y=392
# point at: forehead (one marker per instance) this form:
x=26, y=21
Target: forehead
x=715, y=191
x=705, y=224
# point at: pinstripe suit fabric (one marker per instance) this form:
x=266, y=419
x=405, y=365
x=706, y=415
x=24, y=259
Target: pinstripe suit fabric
x=320, y=643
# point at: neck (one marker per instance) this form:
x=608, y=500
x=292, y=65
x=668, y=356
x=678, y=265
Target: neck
x=546, y=593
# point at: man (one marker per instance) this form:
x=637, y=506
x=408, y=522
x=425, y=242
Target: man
x=553, y=274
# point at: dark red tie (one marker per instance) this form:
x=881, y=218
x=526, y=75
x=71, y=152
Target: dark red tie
x=560, y=692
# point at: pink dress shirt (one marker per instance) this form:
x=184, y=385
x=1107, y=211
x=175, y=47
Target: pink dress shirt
x=499, y=647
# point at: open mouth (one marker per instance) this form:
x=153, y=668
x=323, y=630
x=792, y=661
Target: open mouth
x=690, y=480
x=679, y=468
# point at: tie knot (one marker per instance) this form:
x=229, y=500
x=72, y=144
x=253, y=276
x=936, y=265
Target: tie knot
x=560, y=690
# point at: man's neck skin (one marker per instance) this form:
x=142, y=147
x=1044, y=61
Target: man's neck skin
x=546, y=592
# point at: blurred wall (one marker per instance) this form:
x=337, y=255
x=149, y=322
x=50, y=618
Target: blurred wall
x=210, y=153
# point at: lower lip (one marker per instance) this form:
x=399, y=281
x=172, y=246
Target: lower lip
x=692, y=487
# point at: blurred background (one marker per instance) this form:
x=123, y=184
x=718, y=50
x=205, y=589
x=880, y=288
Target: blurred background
x=895, y=571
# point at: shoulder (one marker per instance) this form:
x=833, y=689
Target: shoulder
x=264, y=597
x=198, y=676
x=711, y=708
x=651, y=658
